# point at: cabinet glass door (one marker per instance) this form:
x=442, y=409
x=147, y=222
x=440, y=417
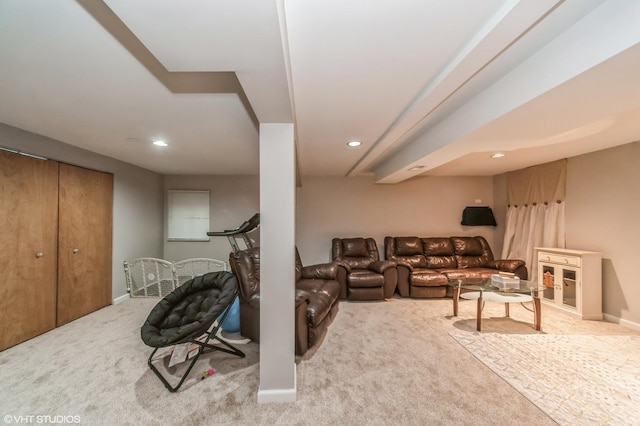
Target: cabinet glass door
x=548, y=277
x=569, y=287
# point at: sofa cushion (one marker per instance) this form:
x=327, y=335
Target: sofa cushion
x=471, y=252
x=453, y=274
x=439, y=262
x=355, y=247
x=365, y=278
x=467, y=246
x=438, y=252
x=437, y=247
x=427, y=278
x=408, y=246
x=417, y=261
x=465, y=262
x=357, y=262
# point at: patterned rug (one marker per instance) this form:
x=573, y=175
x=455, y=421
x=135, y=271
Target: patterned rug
x=575, y=379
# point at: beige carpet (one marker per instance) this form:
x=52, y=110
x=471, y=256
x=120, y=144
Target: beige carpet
x=381, y=363
x=574, y=379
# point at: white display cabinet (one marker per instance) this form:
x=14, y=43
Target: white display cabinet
x=572, y=280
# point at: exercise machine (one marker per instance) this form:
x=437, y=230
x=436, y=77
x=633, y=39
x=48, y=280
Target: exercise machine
x=240, y=232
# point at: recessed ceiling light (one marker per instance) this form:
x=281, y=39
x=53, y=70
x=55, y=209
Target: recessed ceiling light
x=160, y=143
x=414, y=168
x=498, y=155
x=354, y=143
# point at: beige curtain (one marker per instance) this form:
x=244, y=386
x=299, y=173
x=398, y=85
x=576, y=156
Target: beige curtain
x=535, y=216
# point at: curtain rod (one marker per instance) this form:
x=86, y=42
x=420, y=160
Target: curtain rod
x=535, y=204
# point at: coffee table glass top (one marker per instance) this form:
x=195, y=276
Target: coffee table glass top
x=485, y=285
x=482, y=289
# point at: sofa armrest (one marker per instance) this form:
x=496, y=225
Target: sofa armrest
x=254, y=300
x=507, y=265
x=342, y=264
x=322, y=271
x=382, y=265
x=302, y=298
x=404, y=264
x=403, y=272
x=516, y=266
x=301, y=322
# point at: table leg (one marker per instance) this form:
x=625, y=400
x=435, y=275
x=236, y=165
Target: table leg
x=479, y=315
x=506, y=310
x=456, y=296
x=537, y=313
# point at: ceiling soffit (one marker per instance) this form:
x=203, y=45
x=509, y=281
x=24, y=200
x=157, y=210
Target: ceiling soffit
x=575, y=51
x=506, y=26
x=197, y=36
x=177, y=81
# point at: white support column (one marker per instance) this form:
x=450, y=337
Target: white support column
x=277, y=263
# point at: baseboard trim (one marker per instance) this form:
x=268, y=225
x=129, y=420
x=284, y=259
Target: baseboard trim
x=121, y=299
x=279, y=395
x=276, y=395
x=623, y=322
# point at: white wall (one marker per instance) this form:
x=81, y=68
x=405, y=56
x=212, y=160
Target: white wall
x=137, y=197
x=329, y=207
x=234, y=199
x=602, y=205
x=602, y=201
x=335, y=206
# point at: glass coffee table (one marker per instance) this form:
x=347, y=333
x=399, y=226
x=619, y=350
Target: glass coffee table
x=481, y=289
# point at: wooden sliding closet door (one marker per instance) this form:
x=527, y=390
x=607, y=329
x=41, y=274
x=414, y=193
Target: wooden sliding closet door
x=84, y=242
x=28, y=231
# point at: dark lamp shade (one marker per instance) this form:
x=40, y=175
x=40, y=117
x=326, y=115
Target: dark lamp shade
x=478, y=216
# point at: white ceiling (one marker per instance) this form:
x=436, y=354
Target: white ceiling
x=436, y=83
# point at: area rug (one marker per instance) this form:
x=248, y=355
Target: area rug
x=574, y=379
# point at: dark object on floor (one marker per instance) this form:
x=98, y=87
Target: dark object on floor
x=361, y=273
x=317, y=294
x=188, y=313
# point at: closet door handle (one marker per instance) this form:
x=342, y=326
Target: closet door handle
x=39, y=254
x=75, y=250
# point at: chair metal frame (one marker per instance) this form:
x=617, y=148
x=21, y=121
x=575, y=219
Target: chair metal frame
x=205, y=347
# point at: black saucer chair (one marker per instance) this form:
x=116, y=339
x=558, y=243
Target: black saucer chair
x=189, y=312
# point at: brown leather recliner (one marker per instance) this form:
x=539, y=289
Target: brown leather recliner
x=361, y=273
x=316, y=299
x=425, y=265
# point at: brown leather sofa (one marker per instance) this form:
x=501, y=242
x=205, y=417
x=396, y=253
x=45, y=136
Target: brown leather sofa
x=425, y=265
x=316, y=298
x=361, y=273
